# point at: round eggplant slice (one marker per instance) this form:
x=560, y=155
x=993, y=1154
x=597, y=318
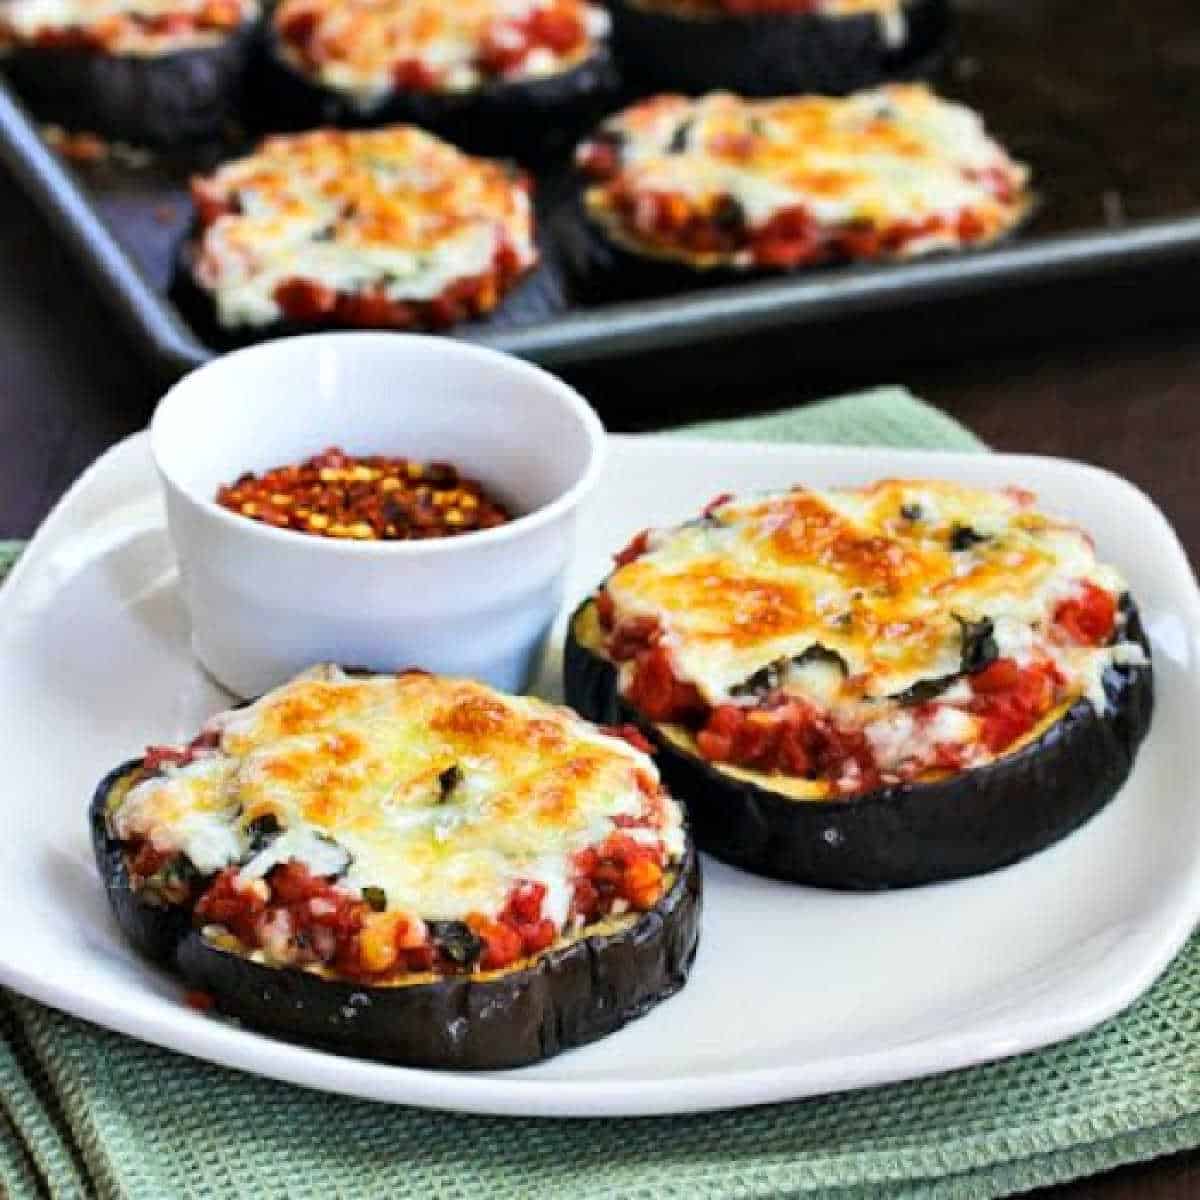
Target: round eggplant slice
x=773, y=54
x=900, y=836
x=567, y=996
x=532, y=120
x=164, y=100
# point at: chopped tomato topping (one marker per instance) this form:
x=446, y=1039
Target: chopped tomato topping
x=636, y=548
x=412, y=75
x=420, y=958
x=537, y=935
x=622, y=868
x=631, y=734
x=558, y=28
x=1010, y=700
x=970, y=226
x=157, y=757
x=149, y=861
x=860, y=241
x=376, y=309
x=790, y=239
x=1001, y=675
x=715, y=503
x=525, y=903
x=996, y=180
x=586, y=899
x=790, y=737
x=292, y=882
x=229, y=903
x=605, y=609
x=642, y=883
x=519, y=932
x=305, y=300
x=1087, y=618
x=501, y=944
x=1020, y=496
x=656, y=692
x=632, y=638
x=210, y=205
x=298, y=27
x=599, y=157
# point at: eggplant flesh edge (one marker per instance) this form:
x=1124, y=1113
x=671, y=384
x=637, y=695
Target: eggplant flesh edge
x=907, y=834
x=566, y=997
x=163, y=101
x=529, y=119
x=772, y=54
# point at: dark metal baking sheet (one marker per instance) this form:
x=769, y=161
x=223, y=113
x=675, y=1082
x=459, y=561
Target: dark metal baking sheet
x=1100, y=99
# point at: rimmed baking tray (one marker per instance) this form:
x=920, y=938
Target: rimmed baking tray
x=1100, y=100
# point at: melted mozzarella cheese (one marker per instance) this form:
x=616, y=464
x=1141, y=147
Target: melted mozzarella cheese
x=886, y=577
x=355, y=46
x=125, y=26
x=878, y=159
x=394, y=212
x=357, y=767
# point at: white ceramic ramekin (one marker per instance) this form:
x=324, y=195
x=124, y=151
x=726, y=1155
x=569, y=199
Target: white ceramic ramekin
x=265, y=603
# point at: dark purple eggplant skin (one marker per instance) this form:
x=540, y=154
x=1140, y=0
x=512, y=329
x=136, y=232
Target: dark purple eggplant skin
x=775, y=54
x=162, y=101
x=604, y=271
x=530, y=120
x=568, y=997
x=909, y=834
x=154, y=929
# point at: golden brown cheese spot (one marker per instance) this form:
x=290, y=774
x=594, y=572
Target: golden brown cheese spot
x=309, y=707
x=552, y=796
x=365, y=796
x=720, y=602
x=545, y=736
x=558, y=792
x=814, y=124
x=327, y=780
x=393, y=189
x=808, y=532
x=330, y=801
x=883, y=576
x=920, y=172
x=992, y=572
x=473, y=719
x=345, y=747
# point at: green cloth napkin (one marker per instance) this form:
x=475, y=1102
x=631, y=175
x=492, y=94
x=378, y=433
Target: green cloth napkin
x=87, y=1112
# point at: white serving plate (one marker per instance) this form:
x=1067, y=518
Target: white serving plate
x=795, y=992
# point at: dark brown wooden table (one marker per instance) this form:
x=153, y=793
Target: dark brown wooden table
x=1120, y=388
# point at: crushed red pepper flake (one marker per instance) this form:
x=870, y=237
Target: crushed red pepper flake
x=370, y=498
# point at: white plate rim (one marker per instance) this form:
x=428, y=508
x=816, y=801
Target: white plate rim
x=506, y=1094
